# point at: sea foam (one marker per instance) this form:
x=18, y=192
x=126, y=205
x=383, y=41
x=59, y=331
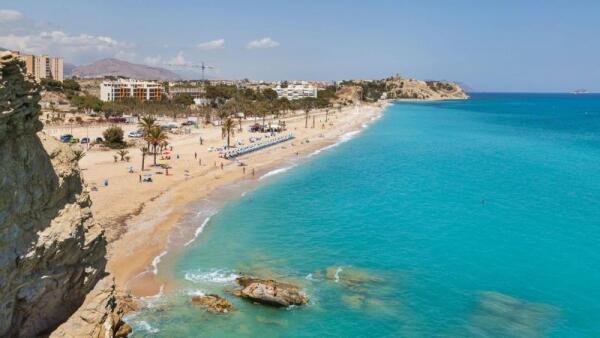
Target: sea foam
x=198, y=231
x=276, y=172
x=213, y=276
x=156, y=260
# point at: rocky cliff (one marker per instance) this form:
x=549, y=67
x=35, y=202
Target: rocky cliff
x=51, y=251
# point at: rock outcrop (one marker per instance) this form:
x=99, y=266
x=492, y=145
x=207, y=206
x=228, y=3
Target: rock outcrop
x=102, y=314
x=213, y=303
x=51, y=251
x=404, y=88
x=397, y=87
x=270, y=292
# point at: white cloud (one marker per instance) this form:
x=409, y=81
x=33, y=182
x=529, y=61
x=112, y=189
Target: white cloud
x=18, y=32
x=178, y=60
x=62, y=43
x=214, y=44
x=7, y=15
x=152, y=60
x=262, y=43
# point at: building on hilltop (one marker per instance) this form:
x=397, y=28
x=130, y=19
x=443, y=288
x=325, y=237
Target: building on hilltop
x=119, y=89
x=296, y=90
x=194, y=92
x=42, y=66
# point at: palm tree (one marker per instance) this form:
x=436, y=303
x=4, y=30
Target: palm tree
x=122, y=153
x=79, y=154
x=306, y=112
x=155, y=137
x=144, y=150
x=228, y=129
x=146, y=123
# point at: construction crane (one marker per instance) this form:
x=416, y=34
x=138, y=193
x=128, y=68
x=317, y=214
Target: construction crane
x=202, y=66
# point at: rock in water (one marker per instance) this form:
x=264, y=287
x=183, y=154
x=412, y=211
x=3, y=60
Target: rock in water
x=213, y=303
x=270, y=292
x=51, y=251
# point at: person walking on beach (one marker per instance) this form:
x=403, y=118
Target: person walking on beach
x=244, y=170
x=195, y=155
x=221, y=165
x=252, y=172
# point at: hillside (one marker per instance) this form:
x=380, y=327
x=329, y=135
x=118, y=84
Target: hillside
x=397, y=87
x=115, y=67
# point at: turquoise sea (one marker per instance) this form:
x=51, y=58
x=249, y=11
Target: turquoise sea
x=476, y=218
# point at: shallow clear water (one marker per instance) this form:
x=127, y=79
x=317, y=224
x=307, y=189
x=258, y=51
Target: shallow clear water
x=454, y=219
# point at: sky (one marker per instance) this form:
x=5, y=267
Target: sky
x=509, y=45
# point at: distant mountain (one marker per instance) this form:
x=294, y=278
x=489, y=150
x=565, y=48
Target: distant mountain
x=68, y=68
x=115, y=67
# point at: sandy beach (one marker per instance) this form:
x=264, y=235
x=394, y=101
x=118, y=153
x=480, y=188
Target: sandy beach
x=139, y=218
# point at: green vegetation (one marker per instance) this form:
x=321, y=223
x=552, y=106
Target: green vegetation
x=69, y=87
x=438, y=85
x=113, y=137
x=228, y=129
x=183, y=99
x=86, y=102
x=156, y=137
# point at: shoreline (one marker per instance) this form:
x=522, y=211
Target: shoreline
x=148, y=242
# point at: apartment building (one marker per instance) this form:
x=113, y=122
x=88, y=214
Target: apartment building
x=120, y=89
x=296, y=90
x=43, y=66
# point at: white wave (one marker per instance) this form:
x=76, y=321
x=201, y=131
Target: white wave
x=145, y=326
x=156, y=260
x=342, y=139
x=154, y=300
x=276, y=172
x=309, y=277
x=244, y=193
x=337, y=274
x=195, y=293
x=198, y=231
x=213, y=276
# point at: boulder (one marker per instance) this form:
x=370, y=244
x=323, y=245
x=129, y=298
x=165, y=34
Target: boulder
x=213, y=303
x=270, y=292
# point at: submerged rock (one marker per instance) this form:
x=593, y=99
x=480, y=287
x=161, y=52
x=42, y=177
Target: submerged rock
x=213, y=303
x=502, y=315
x=270, y=292
x=351, y=277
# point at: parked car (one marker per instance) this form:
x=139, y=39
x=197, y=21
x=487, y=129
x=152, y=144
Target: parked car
x=85, y=140
x=74, y=140
x=135, y=134
x=116, y=119
x=99, y=140
x=188, y=123
x=66, y=138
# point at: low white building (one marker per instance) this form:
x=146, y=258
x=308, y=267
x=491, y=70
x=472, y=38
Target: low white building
x=296, y=90
x=119, y=89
